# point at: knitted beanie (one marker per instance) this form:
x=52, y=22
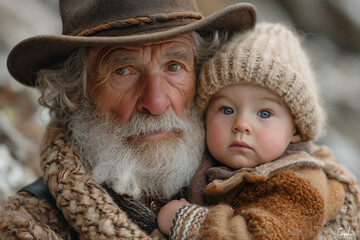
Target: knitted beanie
x=270, y=56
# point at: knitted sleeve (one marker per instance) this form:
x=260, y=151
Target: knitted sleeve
x=187, y=222
x=221, y=225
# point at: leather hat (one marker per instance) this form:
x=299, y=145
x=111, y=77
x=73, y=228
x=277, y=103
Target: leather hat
x=119, y=22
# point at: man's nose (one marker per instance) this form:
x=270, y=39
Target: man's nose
x=242, y=125
x=154, y=98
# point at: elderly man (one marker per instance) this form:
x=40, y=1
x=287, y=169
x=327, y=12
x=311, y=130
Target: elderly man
x=124, y=137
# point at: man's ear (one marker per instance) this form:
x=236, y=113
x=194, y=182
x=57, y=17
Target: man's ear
x=296, y=137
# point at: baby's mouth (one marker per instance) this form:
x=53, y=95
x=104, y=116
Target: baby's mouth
x=239, y=145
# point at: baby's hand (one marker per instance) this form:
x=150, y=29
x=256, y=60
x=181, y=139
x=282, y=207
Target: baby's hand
x=167, y=213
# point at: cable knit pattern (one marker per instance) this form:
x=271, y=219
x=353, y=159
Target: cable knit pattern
x=85, y=204
x=24, y=216
x=187, y=222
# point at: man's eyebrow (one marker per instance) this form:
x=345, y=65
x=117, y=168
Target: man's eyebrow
x=119, y=56
x=178, y=54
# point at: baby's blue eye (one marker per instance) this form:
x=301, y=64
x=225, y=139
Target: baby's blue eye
x=264, y=114
x=227, y=110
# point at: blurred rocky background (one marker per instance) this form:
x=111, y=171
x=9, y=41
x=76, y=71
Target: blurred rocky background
x=331, y=29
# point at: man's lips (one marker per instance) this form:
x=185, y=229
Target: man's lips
x=156, y=135
x=238, y=145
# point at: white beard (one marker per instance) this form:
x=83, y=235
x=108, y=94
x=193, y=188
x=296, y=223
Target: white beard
x=121, y=158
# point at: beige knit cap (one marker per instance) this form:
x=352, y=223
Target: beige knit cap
x=270, y=56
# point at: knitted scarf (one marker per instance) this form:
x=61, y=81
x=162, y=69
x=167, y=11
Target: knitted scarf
x=86, y=205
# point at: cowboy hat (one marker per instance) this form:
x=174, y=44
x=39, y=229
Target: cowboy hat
x=119, y=22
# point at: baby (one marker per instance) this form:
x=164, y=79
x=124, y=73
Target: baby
x=261, y=111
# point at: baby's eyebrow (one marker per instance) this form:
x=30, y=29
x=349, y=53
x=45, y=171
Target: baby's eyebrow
x=277, y=101
x=217, y=97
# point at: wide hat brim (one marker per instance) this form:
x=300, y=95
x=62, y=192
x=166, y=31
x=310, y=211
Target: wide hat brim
x=32, y=54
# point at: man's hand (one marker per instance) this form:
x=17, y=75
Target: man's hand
x=167, y=214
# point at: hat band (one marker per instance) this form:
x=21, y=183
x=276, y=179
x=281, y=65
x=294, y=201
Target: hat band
x=151, y=19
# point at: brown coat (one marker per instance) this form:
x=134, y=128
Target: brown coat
x=290, y=198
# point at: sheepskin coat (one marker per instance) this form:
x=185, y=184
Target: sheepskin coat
x=289, y=198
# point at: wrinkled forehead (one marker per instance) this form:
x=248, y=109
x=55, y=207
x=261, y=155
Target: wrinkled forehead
x=178, y=47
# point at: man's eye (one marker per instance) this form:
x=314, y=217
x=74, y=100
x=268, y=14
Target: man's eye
x=122, y=71
x=227, y=110
x=264, y=114
x=174, y=67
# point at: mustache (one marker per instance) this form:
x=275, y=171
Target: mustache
x=138, y=125
x=142, y=123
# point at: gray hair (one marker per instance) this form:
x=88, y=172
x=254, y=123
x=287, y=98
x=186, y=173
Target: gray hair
x=205, y=46
x=63, y=87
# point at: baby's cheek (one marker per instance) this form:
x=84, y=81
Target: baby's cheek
x=271, y=146
x=215, y=140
